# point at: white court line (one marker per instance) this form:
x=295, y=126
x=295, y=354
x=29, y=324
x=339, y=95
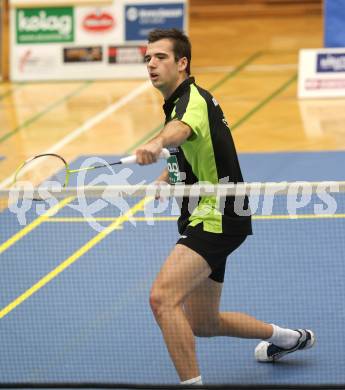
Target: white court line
x=87, y=125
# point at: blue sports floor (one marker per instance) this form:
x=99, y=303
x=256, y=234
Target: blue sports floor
x=74, y=307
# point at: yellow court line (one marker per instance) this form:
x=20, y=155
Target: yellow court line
x=74, y=257
x=299, y=216
x=143, y=219
x=28, y=228
x=108, y=219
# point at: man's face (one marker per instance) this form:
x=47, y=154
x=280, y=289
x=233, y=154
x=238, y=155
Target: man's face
x=161, y=65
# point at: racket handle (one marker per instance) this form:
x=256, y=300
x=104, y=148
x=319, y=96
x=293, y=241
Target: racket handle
x=133, y=158
x=164, y=153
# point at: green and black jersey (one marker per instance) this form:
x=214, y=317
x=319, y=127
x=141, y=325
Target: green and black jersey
x=208, y=155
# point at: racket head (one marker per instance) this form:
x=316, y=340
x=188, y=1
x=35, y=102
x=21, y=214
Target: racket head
x=36, y=175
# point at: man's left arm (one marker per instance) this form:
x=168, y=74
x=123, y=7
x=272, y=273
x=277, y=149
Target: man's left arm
x=174, y=133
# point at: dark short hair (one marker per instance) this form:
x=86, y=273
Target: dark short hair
x=181, y=43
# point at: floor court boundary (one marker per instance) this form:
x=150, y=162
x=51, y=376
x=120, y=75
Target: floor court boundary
x=76, y=255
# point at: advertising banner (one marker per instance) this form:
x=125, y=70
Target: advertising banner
x=321, y=73
x=126, y=54
x=35, y=60
x=72, y=55
x=102, y=41
x=44, y=25
x=96, y=25
x=142, y=18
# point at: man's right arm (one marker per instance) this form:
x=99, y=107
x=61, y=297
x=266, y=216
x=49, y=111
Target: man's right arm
x=174, y=133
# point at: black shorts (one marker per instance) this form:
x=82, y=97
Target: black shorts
x=213, y=247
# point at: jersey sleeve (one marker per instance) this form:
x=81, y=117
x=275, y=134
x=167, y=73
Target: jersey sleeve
x=191, y=109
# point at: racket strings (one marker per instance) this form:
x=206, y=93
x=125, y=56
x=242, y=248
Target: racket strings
x=40, y=170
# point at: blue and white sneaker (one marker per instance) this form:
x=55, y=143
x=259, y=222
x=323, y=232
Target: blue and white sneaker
x=268, y=352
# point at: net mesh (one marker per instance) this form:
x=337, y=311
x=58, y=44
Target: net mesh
x=76, y=273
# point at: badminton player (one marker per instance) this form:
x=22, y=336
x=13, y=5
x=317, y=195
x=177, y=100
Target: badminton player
x=186, y=293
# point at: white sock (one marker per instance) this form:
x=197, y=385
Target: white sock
x=193, y=381
x=284, y=338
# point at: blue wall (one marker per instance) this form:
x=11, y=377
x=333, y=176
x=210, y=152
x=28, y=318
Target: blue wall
x=334, y=23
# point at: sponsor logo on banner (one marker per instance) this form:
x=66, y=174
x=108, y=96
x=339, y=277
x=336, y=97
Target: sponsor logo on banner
x=330, y=62
x=32, y=61
x=97, y=25
x=321, y=73
x=126, y=54
x=98, y=21
x=142, y=18
x=82, y=54
x=44, y=25
x=313, y=84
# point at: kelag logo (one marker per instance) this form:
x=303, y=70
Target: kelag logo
x=334, y=62
x=141, y=19
x=45, y=25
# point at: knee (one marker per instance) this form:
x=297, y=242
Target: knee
x=159, y=302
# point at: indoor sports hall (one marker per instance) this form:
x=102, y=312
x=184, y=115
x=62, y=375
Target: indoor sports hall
x=77, y=265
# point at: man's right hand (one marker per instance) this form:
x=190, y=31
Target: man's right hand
x=149, y=153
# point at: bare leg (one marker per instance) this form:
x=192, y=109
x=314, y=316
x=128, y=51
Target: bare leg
x=202, y=310
x=183, y=271
x=243, y=325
